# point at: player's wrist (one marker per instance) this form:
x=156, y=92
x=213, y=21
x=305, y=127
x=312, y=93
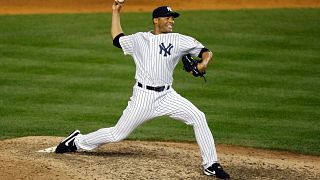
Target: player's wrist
x=202, y=66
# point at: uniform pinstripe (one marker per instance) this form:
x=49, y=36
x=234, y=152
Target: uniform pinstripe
x=155, y=57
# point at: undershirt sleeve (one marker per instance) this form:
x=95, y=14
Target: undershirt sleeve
x=116, y=40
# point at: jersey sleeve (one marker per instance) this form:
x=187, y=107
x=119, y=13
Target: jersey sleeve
x=190, y=45
x=127, y=44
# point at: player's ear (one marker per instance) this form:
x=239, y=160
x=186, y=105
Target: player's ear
x=155, y=20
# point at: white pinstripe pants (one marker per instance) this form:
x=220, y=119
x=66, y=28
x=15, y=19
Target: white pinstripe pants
x=147, y=104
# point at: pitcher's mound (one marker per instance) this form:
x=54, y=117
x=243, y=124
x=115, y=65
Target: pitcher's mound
x=20, y=159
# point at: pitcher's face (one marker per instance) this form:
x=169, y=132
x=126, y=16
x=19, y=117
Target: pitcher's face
x=164, y=24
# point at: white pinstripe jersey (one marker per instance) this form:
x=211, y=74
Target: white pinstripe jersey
x=156, y=56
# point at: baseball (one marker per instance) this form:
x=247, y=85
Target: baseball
x=119, y=1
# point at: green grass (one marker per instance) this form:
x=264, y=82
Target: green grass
x=61, y=72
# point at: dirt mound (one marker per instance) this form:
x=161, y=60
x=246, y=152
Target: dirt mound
x=146, y=160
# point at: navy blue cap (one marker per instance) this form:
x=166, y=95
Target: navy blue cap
x=164, y=11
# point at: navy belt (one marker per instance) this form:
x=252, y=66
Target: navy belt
x=157, y=89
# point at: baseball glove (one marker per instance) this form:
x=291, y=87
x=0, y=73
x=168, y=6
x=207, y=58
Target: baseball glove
x=190, y=65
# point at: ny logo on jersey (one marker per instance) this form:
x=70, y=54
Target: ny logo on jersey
x=166, y=50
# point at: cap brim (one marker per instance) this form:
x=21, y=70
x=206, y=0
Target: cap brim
x=173, y=14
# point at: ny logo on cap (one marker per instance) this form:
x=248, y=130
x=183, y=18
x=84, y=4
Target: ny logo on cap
x=169, y=9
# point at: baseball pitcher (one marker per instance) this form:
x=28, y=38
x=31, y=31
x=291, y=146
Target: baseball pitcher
x=155, y=54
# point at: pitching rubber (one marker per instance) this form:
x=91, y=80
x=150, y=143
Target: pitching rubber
x=48, y=150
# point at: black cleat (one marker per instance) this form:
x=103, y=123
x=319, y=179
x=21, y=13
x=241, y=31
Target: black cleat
x=67, y=145
x=216, y=170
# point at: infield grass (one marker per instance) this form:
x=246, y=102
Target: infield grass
x=61, y=72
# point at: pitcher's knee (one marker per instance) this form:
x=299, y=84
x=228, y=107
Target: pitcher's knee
x=118, y=138
x=198, y=117
x=118, y=135
x=202, y=115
